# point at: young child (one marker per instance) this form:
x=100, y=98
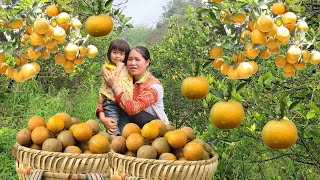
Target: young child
x=108, y=111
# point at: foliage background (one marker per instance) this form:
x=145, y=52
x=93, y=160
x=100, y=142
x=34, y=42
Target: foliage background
x=179, y=48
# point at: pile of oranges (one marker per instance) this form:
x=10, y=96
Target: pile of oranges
x=63, y=133
x=157, y=140
x=264, y=37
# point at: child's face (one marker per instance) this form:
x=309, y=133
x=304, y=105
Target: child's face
x=117, y=56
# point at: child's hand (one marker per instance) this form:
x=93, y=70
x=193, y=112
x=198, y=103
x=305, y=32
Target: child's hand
x=110, y=125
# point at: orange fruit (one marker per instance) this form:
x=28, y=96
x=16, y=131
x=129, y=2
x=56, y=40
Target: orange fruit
x=302, y=26
x=258, y=37
x=216, y=52
x=2, y=58
x=238, y=57
x=32, y=54
x=3, y=68
x=272, y=43
x=294, y=51
x=254, y=66
x=78, y=61
x=238, y=18
x=217, y=63
x=60, y=59
x=289, y=18
x=288, y=68
x=177, y=139
x=55, y=124
x=58, y=32
x=224, y=68
x=233, y=72
x=98, y=26
x=28, y=71
x=251, y=25
x=9, y=72
x=36, y=121
x=250, y=52
x=300, y=66
x=279, y=134
x=72, y=149
x=289, y=73
x=275, y=50
x=36, y=39
x=45, y=54
x=39, y=135
x=92, y=51
x=273, y=31
x=161, y=125
x=69, y=70
x=278, y=8
x=16, y=24
x=167, y=156
x=217, y=1
x=99, y=144
x=36, y=66
x=280, y=61
x=193, y=151
x=244, y=70
x=76, y=23
x=282, y=33
x=150, y=131
x=134, y=142
x=129, y=129
x=265, y=54
x=41, y=26
x=63, y=18
x=305, y=55
x=227, y=115
x=52, y=10
x=314, y=57
x=265, y=23
x=195, y=87
x=82, y=132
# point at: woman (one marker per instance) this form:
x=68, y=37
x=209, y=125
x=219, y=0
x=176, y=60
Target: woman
x=147, y=101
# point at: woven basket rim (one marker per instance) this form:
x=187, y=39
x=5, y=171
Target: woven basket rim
x=215, y=157
x=17, y=147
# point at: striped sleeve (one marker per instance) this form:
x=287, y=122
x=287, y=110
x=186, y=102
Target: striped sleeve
x=146, y=98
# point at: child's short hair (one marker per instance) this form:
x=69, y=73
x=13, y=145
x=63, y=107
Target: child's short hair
x=120, y=45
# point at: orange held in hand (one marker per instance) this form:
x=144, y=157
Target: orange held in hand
x=280, y=134
x=227, y=115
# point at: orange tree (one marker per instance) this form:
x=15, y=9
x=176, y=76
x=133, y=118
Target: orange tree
x=39, y=35
x=267, y=95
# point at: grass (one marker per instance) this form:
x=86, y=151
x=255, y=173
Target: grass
x=29, y=99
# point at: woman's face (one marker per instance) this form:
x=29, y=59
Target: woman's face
x=136, y=64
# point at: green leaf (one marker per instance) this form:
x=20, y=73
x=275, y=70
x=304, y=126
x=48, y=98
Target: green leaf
x=129, y=25
x=229, y=87
x=282, y=108
x=293, y=105
x=206, y=64
x=311, y=114
x=241, y=86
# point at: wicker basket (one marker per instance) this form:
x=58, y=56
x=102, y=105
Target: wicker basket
x=59, y=165
x=162, y=169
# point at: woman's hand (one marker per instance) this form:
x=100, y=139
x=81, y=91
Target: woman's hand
x=111, y=79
